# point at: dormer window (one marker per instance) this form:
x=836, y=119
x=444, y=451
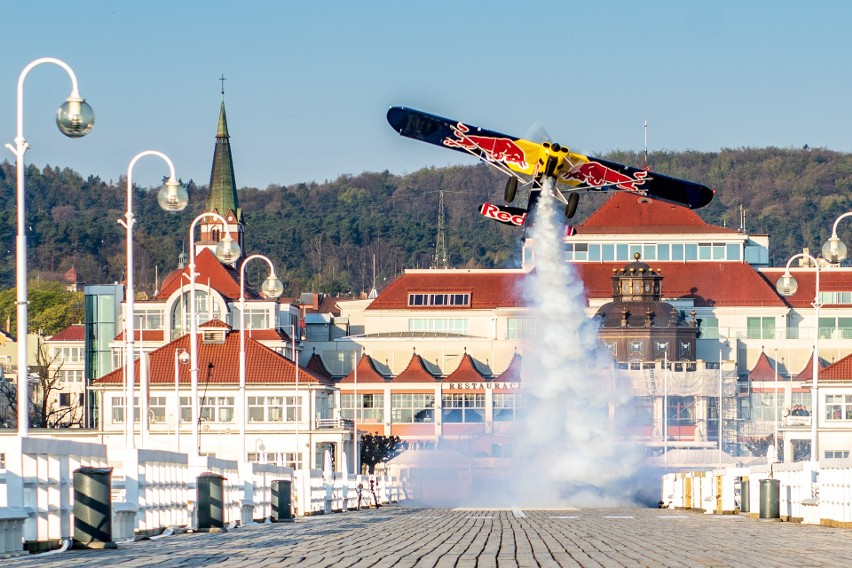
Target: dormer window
x=452, y=299
x=213, y=336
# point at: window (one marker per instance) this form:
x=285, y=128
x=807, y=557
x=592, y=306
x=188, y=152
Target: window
x=282, y=459
x=117, y=409
x=70, y=376
x=677, y=252
x=439, y=299
x=760, y=328
x=267, y=409
x=763, y=406
x=638, y=411
x=438, y=325
x=607, y=253
x=709, y=327
x=410, y=408
x=663, y=252
x=463, y=407
x=68, y=354
x=371, y=407
x=836, y=454
x=690, y=251
x=255, y=318
x=835, y=328
x=217, y=409
x=157, y=409
x=506, y=407
x=594, y=253
x=838, y=407
x=520, y=328
x=733, y=251
x=681, y=411
x=147, y=319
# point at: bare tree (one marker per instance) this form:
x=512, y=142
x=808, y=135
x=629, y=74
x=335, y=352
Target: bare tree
x=48, y=407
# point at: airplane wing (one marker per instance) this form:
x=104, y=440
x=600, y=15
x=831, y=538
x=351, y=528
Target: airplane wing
x=530, y=161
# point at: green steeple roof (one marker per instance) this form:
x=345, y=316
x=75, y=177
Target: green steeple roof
x=223, y=186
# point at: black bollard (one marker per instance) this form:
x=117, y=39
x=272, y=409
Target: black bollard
x=210, y=496
x=281, y=495
x=93, y=508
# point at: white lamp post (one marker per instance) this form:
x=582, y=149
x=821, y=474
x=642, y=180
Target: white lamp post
x=297, y=400
x=181, y=357
x=271, y=288
x=227, y=251
x=74, y=119
x=787, y=286
x=172, y=197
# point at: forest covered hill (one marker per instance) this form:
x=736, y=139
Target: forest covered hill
x=325, y=236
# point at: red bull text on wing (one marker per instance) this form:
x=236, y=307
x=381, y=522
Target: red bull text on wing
x=498, y=214
x=494, y=149
x=598, y=175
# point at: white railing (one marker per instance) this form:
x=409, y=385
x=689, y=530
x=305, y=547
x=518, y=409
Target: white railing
x=153, y=482
x=232, y=488
x=40, y=480
x=809, y=492
x=257, y=489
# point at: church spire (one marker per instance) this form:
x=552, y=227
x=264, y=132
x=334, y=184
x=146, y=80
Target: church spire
x=223, y=190
x=223, y=185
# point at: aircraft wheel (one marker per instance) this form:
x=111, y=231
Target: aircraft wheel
x=571, y=206
x=511, y=189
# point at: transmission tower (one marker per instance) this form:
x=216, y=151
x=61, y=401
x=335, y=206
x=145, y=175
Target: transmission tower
x=441, y=242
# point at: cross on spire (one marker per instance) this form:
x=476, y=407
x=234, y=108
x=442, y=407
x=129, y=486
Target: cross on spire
x=222, y=80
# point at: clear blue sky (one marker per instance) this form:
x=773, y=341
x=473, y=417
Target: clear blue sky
x=308, y=83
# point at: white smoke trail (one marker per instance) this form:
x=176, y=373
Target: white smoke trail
x=569, y=451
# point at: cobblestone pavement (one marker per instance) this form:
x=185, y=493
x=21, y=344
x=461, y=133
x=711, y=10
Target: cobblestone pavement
x=409, y=536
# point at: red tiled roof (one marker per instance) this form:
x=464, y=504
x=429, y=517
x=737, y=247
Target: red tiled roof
x=157, y=335
x=214, y=323
x=830, y=280
x=838, y=371
x=807, y=372
x=263, y=365
x=367, y=372
x=707, y=283
x=267, y=335
x=488, y=289
x=466, y=372
x=628, y=213
x=75, y=332
x=512, y=374
x=763, y=370
x=415, y=372
x=221, y=278
x=316, y=365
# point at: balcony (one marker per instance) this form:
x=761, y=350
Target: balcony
x=335, y=424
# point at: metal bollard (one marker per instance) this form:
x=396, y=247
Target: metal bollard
x=281, y=501
x=745, y=506
x=93, y=508
x=210, y=497
x=770, y=491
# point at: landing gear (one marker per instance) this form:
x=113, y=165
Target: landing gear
x=511, y=189
x=571, y=206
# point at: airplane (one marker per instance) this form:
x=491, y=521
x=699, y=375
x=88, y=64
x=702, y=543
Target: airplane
x=530, y=163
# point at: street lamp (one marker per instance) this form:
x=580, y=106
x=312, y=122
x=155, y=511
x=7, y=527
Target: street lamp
x=271, y=288
x=298, y=402
x=172, y=197
x=74, y=119
x=787, y=286
x=227, y=251
x=834, y=250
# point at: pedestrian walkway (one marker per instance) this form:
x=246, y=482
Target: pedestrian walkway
x=408, y=536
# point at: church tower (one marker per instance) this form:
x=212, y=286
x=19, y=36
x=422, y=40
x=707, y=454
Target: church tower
x=223, y=193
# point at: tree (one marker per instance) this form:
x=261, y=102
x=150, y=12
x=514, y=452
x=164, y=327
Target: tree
x=376, y=448
x=45, y=389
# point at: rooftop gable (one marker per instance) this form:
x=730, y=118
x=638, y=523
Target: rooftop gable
x=218, y=363
x=416, y=372
x=467, y=372
x=209, y=272
x=366, y=372
x=838, y=371
x=74, y=332
x=629, y=213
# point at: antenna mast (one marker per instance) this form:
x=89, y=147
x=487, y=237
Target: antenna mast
x=441, y=244
x=646, y=146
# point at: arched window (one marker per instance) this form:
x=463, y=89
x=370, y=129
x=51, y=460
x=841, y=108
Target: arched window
x=206, y=308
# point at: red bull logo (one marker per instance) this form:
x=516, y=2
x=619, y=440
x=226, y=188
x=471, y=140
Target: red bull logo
x=598, y=175
x=493, y=148
x=508, y=215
